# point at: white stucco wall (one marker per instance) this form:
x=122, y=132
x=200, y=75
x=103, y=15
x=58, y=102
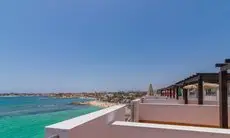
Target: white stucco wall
x=92, y=125
x=143, y=130
x=189, y=114
x=160, y=101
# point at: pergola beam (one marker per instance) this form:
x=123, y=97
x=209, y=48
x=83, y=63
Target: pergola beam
x=227, y=60
x=192, y=79
x=225, y=67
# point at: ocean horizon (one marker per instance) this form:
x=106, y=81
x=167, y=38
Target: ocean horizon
x=26, y=117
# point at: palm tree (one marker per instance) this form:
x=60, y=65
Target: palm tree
x=150, y=92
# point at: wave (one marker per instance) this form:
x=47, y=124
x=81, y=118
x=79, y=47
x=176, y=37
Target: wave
x=33, y=111
x=34, y=105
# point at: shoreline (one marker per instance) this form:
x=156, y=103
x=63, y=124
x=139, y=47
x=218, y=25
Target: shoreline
x=95, y=103
x=100, y=104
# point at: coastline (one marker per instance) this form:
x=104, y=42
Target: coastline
x=95, y=103
x=100, y=104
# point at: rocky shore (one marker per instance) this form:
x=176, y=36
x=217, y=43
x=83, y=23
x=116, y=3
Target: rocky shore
x=95, y=103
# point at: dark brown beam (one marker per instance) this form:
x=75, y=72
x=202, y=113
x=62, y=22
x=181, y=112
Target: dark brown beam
x=200, y=90
x=227, y=60
x=223, y=99
x=181, y=83
x=185, y=95
x=220, y=65
x=225, y=67
x=214, y=78
x=192, y=79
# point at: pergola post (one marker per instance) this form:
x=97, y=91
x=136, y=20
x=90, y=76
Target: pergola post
x=170, y=93
x=185, y=94
x=177, y=92
x=223, y=93
x=223, y=99
x=200, y=90
x=174, y=92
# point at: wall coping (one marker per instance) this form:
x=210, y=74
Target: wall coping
x=172, y=127
x=71, y=123
x=136, y=100
x=173, y=104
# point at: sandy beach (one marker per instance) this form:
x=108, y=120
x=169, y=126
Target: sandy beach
x=101, y=104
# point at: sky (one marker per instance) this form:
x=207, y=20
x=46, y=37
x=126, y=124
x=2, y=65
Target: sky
x=109, y=45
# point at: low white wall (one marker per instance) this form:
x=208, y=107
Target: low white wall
x=211, y=102
x=189, y=114
x=205, y=102
x=155, y=97
x=92, y=125
x=143, y=130
x=174, y=101
x=192, y=101
x=210, y=98
x=159, y=99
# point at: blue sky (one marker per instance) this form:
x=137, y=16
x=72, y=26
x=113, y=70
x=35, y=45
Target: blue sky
x=88, y=45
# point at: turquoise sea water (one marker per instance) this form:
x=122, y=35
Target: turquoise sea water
x=26, y=117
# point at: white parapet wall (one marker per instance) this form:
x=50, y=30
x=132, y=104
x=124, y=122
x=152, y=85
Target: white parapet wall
x=207, y=115
x=173, y=101
x=144, y=130
x=92, y=125
x=109, y=123
x=161, y=99
x=135, y=110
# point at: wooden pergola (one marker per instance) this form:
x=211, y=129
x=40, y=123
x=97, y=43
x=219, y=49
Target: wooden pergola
x=197, y=78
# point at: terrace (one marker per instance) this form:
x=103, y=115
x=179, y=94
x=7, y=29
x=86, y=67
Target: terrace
x=148, y=120
x=158, y=117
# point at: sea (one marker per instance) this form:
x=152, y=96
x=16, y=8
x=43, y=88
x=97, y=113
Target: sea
x=26, y=117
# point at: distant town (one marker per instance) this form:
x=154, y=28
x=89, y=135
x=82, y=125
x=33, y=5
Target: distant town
x=112, y=97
